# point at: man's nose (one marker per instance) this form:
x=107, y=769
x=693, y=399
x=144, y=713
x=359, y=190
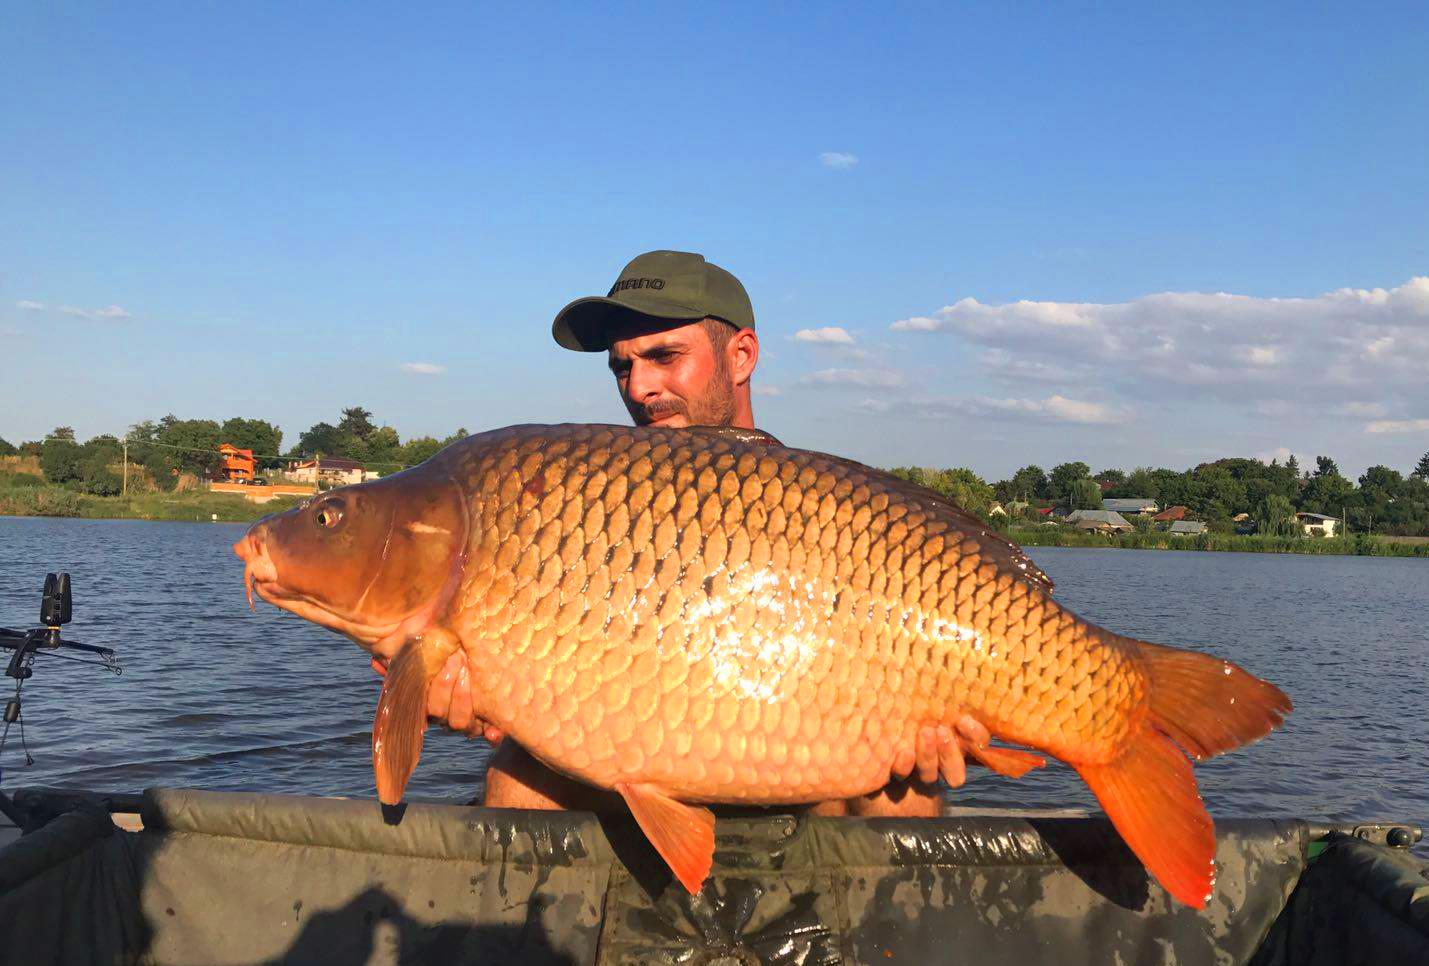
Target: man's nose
x=641, y=382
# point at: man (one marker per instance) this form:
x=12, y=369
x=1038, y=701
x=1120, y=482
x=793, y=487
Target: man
x=678, y=333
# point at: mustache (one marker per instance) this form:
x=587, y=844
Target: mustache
x=649, y=412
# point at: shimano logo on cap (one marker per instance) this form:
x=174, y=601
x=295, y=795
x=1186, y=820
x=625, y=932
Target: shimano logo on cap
x=629, y=283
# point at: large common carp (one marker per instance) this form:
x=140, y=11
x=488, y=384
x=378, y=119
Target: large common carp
x=703, y=615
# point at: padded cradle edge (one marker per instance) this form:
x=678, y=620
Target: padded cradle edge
x=416, y=830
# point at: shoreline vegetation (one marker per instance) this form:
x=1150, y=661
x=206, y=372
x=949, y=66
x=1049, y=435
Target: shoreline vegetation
x=185, y=505
x=1358, y=544
x=156, y=471
x=202, y=506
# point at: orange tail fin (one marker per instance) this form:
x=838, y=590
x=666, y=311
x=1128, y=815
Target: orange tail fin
x=1150, y=796
x=1207, y=706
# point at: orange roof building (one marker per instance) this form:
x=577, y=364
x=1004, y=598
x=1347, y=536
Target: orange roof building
x=236, y=465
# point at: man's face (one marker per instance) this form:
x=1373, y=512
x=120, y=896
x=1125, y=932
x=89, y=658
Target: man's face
x=670, y=374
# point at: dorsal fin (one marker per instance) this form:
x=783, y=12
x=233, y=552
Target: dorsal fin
x=738, y=434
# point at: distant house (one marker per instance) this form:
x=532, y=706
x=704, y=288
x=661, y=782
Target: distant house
x=1171, y=513
x=1317, y=524
x=329, y=469
x=1187, y=528
x=996, y=510
x=1100, y=521
x=1133, y=505
x=235, y=465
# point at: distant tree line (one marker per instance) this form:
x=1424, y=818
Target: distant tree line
x=1382, y=501
x=163, y=450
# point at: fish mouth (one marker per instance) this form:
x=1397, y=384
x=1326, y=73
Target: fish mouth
x=261, y=574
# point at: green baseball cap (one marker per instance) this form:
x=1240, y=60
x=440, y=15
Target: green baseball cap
x=659, y=285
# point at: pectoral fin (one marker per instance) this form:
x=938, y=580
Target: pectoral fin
x=682, y=834
x=401, y=722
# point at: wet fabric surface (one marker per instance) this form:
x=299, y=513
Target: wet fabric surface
x=232, y=878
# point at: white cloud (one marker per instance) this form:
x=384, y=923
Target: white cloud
x=25, y=305
x=865, y=378
x=767, y=391
x=1051, y=409
x=423, y=368
x=1398, y=426
x=1004, y=365
x=109, y=312
x=838, y=159
x=1361, y=410
x=1366, y=347
x=828, y=335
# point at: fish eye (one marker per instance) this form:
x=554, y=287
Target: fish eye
x=329, y=515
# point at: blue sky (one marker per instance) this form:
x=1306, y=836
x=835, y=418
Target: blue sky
x=1009, y=234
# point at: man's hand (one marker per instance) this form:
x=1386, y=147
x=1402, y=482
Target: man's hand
x=938, y=750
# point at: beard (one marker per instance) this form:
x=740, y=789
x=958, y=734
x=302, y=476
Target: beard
x=714, y=406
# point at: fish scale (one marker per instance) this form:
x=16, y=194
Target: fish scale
x=696, y=604
x=704, y=615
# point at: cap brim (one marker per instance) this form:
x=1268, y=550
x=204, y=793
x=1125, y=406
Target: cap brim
x=584, y=324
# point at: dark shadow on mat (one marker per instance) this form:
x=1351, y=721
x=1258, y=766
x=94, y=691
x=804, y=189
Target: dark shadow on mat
x=1094, y=852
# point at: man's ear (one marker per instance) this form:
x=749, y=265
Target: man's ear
x=742, y=355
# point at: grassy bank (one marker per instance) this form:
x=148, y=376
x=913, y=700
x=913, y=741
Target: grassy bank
x=56, y=501
x=1361, y=544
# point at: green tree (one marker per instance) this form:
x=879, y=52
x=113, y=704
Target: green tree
x=60, y=460
x=419, y=450
x=1215, y=493
x=145, y=451
x=1324, y=466
x=6, y=449
x=1275, y=517
x=1328, y=493
x=960, y=486
x=357, y=423
x=1378, y=499
x=1293, y=465
x=1422, y=470
x=1029, y=483
x=1086, y=495
x=1142, y=483
x=1063, y=476
x=965, y=488
x=324, y=439
x=192, y=444
x=95, y=473
x=62, y=433
x=263, y=438
x=382, y=450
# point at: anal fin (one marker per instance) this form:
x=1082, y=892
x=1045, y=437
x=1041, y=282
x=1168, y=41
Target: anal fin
x=1005, y=761
x=682, y=834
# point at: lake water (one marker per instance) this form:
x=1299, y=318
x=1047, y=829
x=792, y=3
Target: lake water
x=214, y=696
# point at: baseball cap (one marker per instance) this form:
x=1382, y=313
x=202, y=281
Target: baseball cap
x=659, y=285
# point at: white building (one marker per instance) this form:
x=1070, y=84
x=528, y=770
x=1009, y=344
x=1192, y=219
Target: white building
x=1317, y=524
